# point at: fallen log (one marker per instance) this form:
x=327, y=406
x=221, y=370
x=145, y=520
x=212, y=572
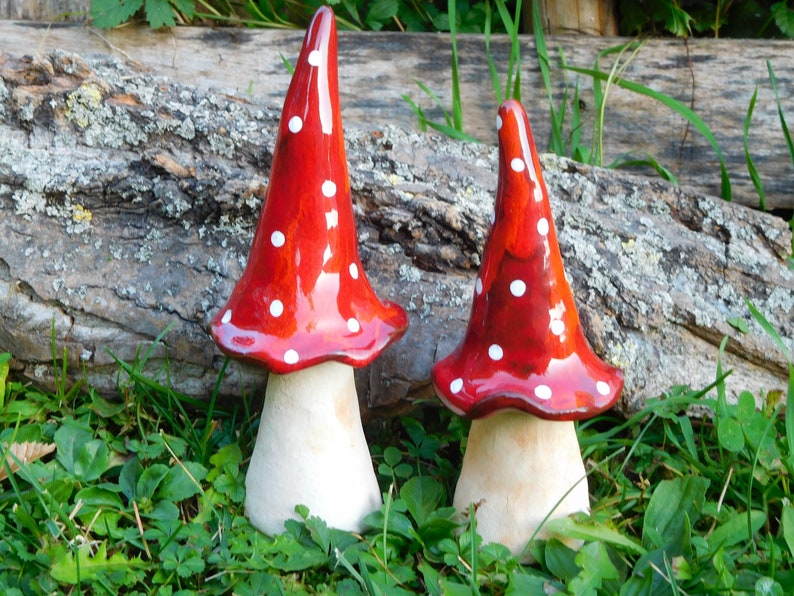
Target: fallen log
x=715, y=77
x=128, y=204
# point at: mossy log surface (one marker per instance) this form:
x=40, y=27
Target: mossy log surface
x=128, y=204
x=715, y=78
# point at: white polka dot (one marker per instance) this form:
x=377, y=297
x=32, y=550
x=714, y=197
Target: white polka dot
x=495, y=352
x=456, y=385
x=543, y=392
x=517, y=288
x=227, y=316
x=332, y=218
x=353, y=270
x=291, y=357
x=353, y=326
x=498, y=123
x=329, y=188
x=315, y=57
x=517, y=164
x=276, y=308
x=602, y=387
x=295, y=124
x=478, y=286
x=543, y=226
x=277, y=239
x=557, y=327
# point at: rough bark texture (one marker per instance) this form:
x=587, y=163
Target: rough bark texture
x=128, y=204
x=715, y=77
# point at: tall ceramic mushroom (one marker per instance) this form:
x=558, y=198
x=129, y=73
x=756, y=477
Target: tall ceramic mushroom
x=305, y=310
x=524, y=370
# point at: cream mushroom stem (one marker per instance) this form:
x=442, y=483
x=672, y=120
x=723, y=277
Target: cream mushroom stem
x=517, y=470
x=310, y=450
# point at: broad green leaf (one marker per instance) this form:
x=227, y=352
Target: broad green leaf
x=784, y=18
x=673, y=506
x=111, y=13
x=159, y=13
x=560, y=560
x=85, y=566
x=736, y=529
x=730, y=435
x=596, y=568
x=766, y=586
x=739, y=324
x=380, y=12
x=568, y=527
x=523, y=584
x=422, y=495
x=182, y=483
x=150, y=479
x=787, y=520
x=81, y=455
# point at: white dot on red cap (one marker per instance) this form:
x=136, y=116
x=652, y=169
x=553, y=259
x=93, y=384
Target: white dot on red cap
x=602, y=387
x=329, y=188
x=543, y=226
x=353, y=270
x=495, y=352
x=295, y=124
x=291, y=357
x=315, y=57
x=543, y=392
x=227, y=316
x=277, y=239
x=557, y=327
x=276, y=308
x=517, y=164
x=456, y=385
x=353, y=325
x=478, y=286
x=498, y=122
x=517, y=288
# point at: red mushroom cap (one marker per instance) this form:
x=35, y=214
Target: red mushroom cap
x=303, y=297
x=524, y=348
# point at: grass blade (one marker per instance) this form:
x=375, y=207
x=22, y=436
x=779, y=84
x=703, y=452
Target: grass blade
x=786, y=133
x=457, y=108
x=556, y=144
x=678, y=107
x=748, y=158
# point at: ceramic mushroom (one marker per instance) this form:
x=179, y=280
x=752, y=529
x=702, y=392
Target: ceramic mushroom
x=524, y=370
x=305, y=310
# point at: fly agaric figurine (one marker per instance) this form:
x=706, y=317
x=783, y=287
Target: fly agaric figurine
x=524, y=370
x=305, y=310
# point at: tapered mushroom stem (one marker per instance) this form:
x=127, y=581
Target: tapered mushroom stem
x=517, y=469
x=310, y=450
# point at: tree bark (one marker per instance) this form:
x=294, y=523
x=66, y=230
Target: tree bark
x=128, y=204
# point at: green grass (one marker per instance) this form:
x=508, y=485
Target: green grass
x=144, y=493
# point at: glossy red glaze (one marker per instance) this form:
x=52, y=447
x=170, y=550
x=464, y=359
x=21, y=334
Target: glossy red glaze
x=524, y=348
x=304, y=297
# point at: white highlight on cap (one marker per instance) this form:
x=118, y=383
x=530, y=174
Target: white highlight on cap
x=543, y=392
x=329, y=188
x=543, y=226
x=353, y=325
x=353, y=270
x=602, y=387
x=495, y=352
x=537, y=193
x=314, y=57
x=557, y=327
x=478, y=286
x=291, y=357
x=517, y=288
x=456, y=385
x=295, y=124
x=227, y=316
x=277, y=239
x=276, y=308
x=517, y=164
x=498, y=122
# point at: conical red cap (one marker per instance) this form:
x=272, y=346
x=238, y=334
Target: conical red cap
x=303, y=297
x=524, y=348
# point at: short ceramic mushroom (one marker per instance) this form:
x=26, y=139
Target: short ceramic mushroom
x=524, y=370
x=305, y=310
